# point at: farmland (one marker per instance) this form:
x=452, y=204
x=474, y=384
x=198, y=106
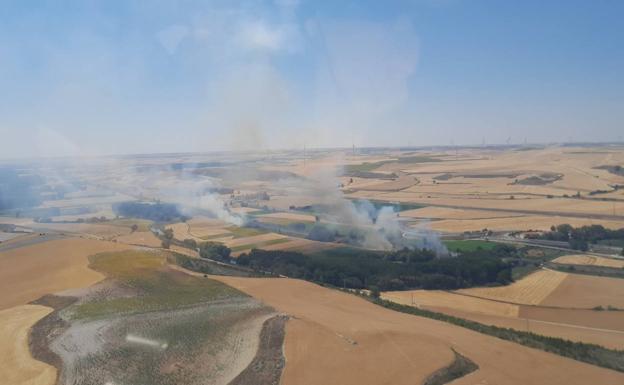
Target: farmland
x=531, y=290
x=336, y=218
x=369, y=344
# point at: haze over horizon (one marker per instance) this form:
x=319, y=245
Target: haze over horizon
x=102, y=78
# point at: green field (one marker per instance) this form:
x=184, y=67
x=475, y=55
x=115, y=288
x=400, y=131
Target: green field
x=155, y=287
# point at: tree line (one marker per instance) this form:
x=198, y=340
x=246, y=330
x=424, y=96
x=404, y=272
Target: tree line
x=398, y=270
x=157, y=212
x=579, y=238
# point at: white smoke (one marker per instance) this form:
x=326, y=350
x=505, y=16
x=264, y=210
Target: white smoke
x=380, y=226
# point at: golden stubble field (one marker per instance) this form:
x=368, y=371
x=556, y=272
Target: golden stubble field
x=553, y=288
x=27, y=273
x=337, y=338
x=17, y=367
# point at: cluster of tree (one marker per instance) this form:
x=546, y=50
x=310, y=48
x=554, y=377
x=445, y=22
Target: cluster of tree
x=157, y=212
x=398, y=270
x=579, y=238
x=167, y=238
x=214, y=250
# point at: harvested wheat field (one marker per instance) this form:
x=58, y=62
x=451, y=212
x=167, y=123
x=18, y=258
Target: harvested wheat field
x=140, y=238
x=17, y=367
x=589, y=326
x=429, y=298
x=586, y=291
x=590, y=260
x=27, y=273
x=609, y=338
x=337, y=338
x=530, y=290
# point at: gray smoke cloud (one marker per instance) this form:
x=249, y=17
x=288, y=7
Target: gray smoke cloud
x=380, y=225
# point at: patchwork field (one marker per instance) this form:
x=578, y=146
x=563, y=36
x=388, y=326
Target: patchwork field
x=339, y=338
x=501, y=190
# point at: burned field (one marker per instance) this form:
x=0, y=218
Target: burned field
x=149, y=324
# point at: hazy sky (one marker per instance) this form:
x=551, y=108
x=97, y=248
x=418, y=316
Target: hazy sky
x=107, y=77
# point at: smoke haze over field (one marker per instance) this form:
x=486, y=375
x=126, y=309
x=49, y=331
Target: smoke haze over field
x=98, y=78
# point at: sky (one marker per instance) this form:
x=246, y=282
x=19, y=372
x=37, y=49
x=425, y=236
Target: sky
x=82, y=78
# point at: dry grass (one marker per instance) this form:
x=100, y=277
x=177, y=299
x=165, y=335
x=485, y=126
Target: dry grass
x=337, y=338
x=17, y=367
x=530, y=290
